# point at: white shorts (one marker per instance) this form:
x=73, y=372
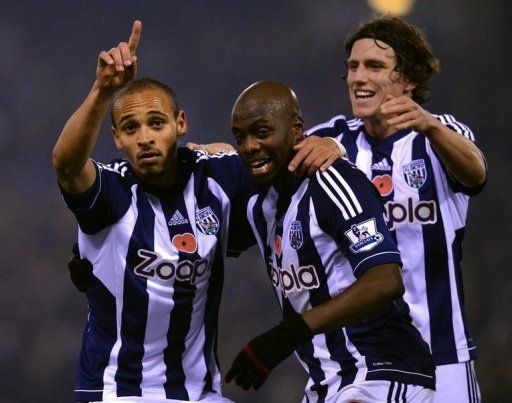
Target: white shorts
x=207, y=397
x=381, y=392
x=457, y=383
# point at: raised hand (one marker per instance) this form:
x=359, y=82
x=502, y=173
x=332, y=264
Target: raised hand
x=118, y=66
x=403, y=113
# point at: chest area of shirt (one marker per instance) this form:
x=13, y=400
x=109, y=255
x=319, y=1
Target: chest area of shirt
x=292, y=258
x=404, y=176
x=173, y=237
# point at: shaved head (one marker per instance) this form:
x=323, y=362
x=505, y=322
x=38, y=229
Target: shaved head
x=266, y=123
x=273, y=96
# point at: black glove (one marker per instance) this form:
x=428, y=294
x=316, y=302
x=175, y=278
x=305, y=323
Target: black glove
x=263, y=353
x=80, y=270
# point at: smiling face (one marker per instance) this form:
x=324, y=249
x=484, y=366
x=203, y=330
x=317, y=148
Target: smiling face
x=372, y=77
x=146, y=131
x=265, y=129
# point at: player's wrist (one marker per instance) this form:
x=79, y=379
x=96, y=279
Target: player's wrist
x=297, y=329
x=278, y=343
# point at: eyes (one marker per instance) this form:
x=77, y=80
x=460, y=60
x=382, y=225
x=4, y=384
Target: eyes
x=259, y=133
x=370, y=65
x=132, y=126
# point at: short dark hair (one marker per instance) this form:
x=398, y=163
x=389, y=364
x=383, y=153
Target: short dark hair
x=142, y=84
x=414, y=59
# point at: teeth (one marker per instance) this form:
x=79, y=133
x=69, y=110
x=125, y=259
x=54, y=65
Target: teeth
x=364, y=94
x=258, y=164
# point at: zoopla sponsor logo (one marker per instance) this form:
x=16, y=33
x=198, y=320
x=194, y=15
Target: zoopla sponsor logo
x=295, y=279
x=153, y=266
x=422, y=212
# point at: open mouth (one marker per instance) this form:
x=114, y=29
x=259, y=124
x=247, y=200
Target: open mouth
x=260, y=166
x=362, y=95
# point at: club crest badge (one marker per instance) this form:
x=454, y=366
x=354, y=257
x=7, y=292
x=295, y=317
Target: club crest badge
x=364, y=236
x=415, y=173
x=206, y=221
x=296, y=237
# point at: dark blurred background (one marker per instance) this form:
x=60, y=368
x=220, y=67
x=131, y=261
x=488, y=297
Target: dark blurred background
x=209, y=51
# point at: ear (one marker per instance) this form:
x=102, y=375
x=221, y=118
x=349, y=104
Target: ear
x=181, y=124
x=409, y=87
x=298, y=128
x=115, y=135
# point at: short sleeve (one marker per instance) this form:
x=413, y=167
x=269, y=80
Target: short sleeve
x=463, y=130
x=349, y=209
x=104, y=203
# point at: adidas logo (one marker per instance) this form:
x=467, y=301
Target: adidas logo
x=382, y=165
x=177, y=219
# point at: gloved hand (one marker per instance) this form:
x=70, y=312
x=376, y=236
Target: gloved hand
x=80, y=270
x=263, y=353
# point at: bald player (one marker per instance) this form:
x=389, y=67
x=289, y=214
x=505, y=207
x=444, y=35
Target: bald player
x=333, y=264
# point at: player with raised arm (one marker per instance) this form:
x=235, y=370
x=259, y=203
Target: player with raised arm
x=334, y=267
x=425, y=167
x=153, y=228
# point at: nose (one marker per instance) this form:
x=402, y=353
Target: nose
x=358, y=74
x=250, y=145
x=144, y=136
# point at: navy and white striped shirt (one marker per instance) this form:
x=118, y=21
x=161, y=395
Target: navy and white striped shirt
x=158, y=274
x=316, y=242
x=426, y=211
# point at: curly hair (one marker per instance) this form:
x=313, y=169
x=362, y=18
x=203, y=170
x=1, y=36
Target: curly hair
x=414, y=59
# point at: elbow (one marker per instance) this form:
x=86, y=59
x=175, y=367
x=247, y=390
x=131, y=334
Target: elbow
x=59, y=163
x=396, y=287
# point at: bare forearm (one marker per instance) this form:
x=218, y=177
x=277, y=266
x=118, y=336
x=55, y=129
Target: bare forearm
x=75, y=145
x=377, y=287
x=460, y=156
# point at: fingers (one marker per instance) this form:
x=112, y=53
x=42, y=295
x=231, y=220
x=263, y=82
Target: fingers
x=126, y=55
x=328, y=163
x=133, y=42
x=302, y=153
x=405, y=121
x=194, y=146
x=244, y=373
x=115, y=54
x=105, y=59
x=398, y=105
x=314, y=154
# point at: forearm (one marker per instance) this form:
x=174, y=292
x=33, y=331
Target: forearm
x=375, y=288
x=75, y=145
x=460, y=156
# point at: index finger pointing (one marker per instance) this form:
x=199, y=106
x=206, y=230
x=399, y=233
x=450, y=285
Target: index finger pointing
x=133, y=42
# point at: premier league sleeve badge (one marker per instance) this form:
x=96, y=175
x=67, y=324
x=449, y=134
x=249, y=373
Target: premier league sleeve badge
x=364, y=236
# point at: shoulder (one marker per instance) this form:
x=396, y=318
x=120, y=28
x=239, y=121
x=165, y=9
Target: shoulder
x=225, y=169
x=218, y=159
x=455, y=125
x=116, y=166
x=343, y=185
x=117, y=171
x=337, y=123
x=337, y=126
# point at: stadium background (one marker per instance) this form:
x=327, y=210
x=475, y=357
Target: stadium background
x=209, y=51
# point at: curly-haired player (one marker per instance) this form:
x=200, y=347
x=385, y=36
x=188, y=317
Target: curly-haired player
x=425, y=166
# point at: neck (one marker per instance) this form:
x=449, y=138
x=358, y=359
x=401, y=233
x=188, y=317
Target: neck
x=378, y=128
x=284, y=182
